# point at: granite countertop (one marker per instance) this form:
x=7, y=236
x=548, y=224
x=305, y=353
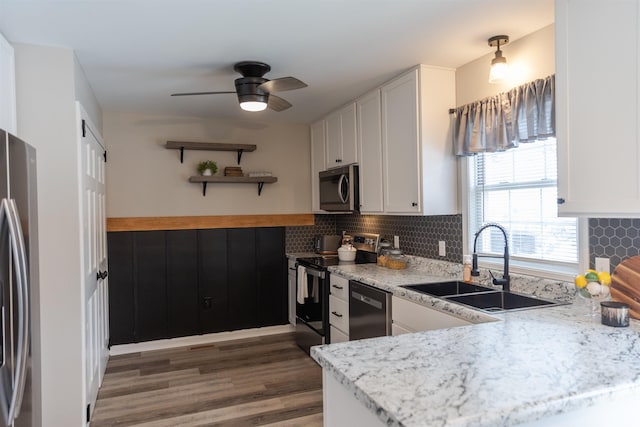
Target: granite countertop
x=520, y=367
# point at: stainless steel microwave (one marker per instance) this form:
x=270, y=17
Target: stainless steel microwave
x=339, y=189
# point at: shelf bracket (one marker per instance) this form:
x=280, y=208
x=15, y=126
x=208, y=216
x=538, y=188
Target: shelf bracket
x=240, y=155
x=260, y=185
x=181, y=154
x=204, y=188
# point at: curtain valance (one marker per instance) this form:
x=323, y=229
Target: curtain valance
x=525, y=113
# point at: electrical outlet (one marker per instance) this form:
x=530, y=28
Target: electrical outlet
x=602, y=264
x=442, y=249
x=396, y=241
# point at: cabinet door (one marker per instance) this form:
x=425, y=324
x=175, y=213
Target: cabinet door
x=182, y=283
x=292, y=278
x=334, y=140
x=318, y=162
x=212, y=280
x=410, y=316
x=349, y=134
x=370, y=152
x=121, y=288
x=597, y=108
x=401, y=153
x=151, y=290
x=272, y=276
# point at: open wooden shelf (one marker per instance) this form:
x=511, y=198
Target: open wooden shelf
x=260, y=180
x=210, y=146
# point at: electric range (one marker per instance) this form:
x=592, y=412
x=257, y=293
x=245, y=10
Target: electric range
x=312, y=290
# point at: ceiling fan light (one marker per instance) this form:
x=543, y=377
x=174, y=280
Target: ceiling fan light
x=253, y=106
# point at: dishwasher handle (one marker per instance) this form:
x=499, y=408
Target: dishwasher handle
x=372, y=302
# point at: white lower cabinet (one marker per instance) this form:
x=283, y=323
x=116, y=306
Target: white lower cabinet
x=409, y=317
x=337, y=335
x=291, y=280
x=339, y=308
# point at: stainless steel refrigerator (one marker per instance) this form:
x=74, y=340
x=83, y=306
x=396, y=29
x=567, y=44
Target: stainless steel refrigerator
x=19, y=321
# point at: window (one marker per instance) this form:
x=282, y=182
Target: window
x=517, y=188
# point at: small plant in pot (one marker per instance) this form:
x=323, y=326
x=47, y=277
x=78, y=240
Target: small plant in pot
x=207, y=168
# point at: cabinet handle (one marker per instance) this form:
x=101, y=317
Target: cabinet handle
x=414, y=204
x=338, y=161
x=336, y=314
x=560, y=201
x=337, y=287
x=292, y=269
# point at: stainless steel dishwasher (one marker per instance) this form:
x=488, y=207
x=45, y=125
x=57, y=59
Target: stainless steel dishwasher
x=369, y=311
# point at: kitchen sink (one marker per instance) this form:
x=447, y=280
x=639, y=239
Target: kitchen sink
x=498, y=301
x=441, y=289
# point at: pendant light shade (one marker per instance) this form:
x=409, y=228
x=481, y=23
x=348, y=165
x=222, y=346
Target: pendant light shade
x=499, y=66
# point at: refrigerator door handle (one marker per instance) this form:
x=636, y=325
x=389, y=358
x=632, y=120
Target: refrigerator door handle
x=9, y=212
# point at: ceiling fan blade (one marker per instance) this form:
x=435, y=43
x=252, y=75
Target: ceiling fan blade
x=198, y=93
x=278, y=104
x=282, y=84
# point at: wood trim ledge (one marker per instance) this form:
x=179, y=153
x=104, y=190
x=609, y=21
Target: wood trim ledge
x=203, y=222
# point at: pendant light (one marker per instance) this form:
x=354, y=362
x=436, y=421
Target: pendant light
x=499, y=66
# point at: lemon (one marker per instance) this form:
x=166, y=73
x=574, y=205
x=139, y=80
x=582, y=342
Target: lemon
x=580, y=281
x=604, y=278
x=591, y=276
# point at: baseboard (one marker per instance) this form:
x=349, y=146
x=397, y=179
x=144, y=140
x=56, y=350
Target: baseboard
x=199, y=339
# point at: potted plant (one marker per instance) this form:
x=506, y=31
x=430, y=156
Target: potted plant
x=207, y=168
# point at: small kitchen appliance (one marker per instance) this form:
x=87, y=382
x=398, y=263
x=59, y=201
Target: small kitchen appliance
x=327, y=244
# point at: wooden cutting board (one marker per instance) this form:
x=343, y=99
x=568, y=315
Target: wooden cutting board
x=625, y=284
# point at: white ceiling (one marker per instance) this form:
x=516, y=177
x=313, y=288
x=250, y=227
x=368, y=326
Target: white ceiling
x=137, y=52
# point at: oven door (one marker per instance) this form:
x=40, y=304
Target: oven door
x=311, y=307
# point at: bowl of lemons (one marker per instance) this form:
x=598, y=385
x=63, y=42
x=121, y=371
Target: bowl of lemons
x=593, y=286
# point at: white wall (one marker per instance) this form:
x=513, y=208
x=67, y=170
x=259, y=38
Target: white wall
x=531, y=57
x=145, y=179
x=46, y=119
x=84, y=94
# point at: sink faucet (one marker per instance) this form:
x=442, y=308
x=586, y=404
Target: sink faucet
x=504, y=282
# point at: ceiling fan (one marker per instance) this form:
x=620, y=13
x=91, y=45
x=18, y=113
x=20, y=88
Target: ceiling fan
x=255, y=93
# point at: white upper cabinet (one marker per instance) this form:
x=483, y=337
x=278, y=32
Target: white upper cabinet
x=341, y=137
x=419, y=168
x=598, y=108
x=318, y=161
x=7, y=87
x=369, y=120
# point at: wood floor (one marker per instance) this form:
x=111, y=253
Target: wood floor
x=265, y=381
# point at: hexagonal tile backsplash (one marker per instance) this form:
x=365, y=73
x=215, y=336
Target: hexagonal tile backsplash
x=419, y=235
x=613, y=238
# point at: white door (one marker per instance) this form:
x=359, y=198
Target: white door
x=94, y=253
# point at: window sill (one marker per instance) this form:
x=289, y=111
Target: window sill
x=549, y=271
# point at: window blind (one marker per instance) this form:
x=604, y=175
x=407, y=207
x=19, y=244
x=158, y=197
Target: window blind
x=518, y=189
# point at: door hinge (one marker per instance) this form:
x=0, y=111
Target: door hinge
x=105, y=156
x=88, y=412
x=84, y=128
